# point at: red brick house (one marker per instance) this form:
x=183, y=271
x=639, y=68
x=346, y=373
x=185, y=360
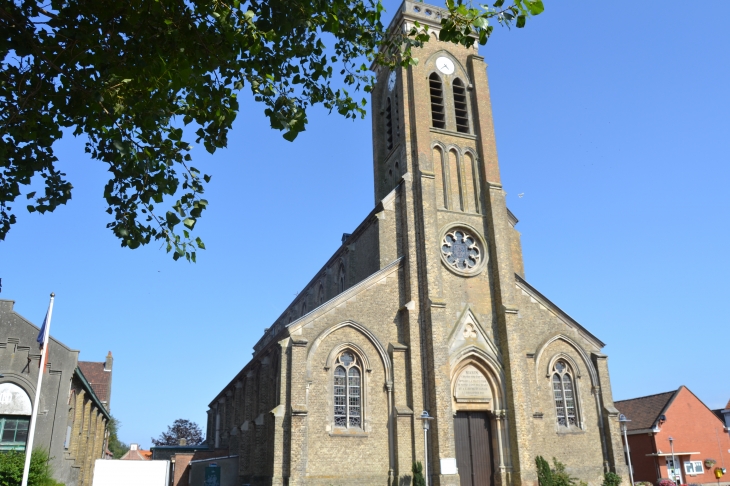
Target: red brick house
x=697, y=435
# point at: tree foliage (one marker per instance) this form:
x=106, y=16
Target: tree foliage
x=180, y=429
x=544, y=474
x=418, y=479
x=130, y=75
x=116, y=446
x=12, y=464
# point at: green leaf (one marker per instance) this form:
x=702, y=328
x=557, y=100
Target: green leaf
x=171, y=219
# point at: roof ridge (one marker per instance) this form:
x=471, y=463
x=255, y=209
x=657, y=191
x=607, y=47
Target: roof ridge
x=645, y=396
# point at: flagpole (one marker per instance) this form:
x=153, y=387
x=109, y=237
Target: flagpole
x=34, y=413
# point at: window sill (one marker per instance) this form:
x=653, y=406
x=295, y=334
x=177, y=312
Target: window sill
x=570, y=430
x=343, y=432
x=453, y=133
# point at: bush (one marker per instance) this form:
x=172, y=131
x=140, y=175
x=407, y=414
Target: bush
x=11, y=469
x=643, y=483
x=560, y=476
x=611, y=479
x=544, y=474
x=418, y=479
x=665, y=482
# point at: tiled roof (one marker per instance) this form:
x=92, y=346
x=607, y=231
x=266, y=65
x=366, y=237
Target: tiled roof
x=728, y=405
x=97, y=378
x=644, y=411
x=137, y=455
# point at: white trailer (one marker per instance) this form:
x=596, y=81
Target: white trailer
x=125, y=473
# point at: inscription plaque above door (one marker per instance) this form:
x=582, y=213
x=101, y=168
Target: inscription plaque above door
x=472, y=386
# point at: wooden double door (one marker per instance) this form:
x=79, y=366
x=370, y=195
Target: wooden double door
x=474, y=448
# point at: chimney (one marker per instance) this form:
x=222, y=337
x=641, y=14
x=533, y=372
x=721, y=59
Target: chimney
x=133, y=447
x=109, y=362
x=183, y=441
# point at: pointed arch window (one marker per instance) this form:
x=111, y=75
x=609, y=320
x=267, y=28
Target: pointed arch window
x=341, y=279
x=564, y=395
x=460, y=110
x=389, y=124
x=320, y=296
x=347, y=391
x=438, y=118
x=304, y=308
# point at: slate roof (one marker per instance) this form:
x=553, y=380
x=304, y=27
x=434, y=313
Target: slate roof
x=98, y=378
x=644, y=411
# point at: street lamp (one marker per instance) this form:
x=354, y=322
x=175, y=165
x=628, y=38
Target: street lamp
x=425, y=417
x=674, y=461
x=624, y=421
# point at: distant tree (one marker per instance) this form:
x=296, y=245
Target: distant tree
x=116, y=446
x=180, y=429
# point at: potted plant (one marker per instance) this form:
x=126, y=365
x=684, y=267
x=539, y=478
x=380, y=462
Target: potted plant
x=709, y=463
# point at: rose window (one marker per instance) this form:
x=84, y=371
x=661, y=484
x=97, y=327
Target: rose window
x=460, y=250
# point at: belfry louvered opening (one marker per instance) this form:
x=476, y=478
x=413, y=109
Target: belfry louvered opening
x=438, y=118
x=462, y=115
x=389, y=124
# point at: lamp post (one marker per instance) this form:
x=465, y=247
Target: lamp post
x=624, y=421
x=425, y=417
x=674, y=461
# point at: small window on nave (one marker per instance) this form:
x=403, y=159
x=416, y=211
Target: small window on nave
x=460, y=109
x=564, y=395
x=341, y=279
x=438, y=117
x=320, y=297
x=347, y=391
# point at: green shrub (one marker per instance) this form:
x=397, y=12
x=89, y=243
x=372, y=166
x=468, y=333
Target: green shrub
x=544, y=474
x=11, y=469
x=418, y=479
x=611, y=479
x=560, y=476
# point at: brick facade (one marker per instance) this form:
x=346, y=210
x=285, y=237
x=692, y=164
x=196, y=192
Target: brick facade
x=698, y=434
x=414, y=322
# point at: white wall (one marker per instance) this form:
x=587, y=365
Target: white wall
x=126, y=473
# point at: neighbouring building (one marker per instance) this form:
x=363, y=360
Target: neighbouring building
x=673, y=435
x=425, y=306
x=188, y=463
x=136, y=454
x=724, y=415
x=72, y=418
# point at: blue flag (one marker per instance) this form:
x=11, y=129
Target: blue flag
x=42, y=333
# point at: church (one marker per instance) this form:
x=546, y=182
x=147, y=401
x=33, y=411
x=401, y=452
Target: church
x=423, y=309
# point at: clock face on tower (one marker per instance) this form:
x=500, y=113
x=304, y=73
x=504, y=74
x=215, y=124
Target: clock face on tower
x=391, y=81
x=445, y=65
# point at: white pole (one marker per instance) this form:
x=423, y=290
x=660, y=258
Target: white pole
x=628, y=456
x=425, y=451
x=34, y=413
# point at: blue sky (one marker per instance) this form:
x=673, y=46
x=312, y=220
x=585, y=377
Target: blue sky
x=611, y=122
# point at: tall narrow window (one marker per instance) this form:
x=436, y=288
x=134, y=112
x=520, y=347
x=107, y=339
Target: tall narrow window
x=396, y=118
x=341, y=278
x=462, y=116
x=438, y=119
x=564, y=395
x=304, y=308
x=347, y=396
x=389, y=124
x=320, y=297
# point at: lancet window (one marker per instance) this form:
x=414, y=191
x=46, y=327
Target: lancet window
x=389, y=124
x=460, y=110
x=347, y=391
x=438, y=118
x=564, y=395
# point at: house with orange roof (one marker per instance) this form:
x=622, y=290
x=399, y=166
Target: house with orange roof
x=675, y=435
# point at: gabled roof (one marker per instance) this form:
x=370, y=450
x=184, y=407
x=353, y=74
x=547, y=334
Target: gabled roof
x=97, y=378
x=645, y=411
x=137, y=455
